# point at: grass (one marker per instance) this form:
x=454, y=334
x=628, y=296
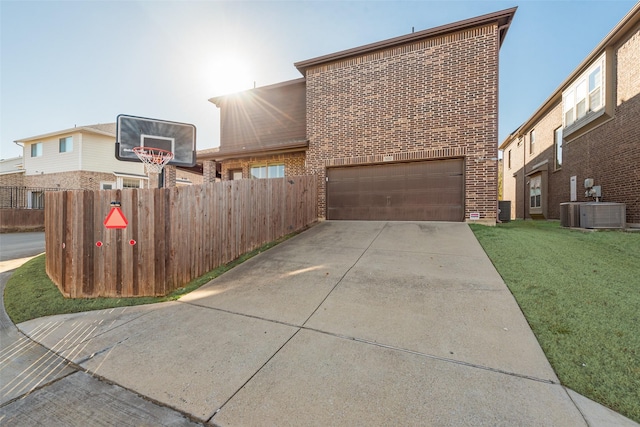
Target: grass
x=30, y=294
x=580, y=292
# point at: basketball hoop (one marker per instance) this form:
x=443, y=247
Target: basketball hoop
x=154, y=159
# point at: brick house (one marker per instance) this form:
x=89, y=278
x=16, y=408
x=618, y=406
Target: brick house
x=80, y=158
x=263, y=132
x=401, y=129
x=588, y=128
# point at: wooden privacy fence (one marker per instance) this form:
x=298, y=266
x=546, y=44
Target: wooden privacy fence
x=173, y=235
x=21, y=220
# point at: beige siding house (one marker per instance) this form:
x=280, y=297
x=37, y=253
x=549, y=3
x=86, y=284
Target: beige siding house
x=81, y=158
x=78, y=158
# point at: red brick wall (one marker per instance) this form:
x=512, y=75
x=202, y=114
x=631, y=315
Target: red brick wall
x=421, y=98
x=12, y=180
x=609, y=153
x=75, y=180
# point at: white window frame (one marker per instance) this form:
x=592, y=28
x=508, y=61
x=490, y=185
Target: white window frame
x=132, y=182
x=535, y=192
x=267, y=167
x=532, y=141
x=579, y=100
x=38, y=149
x=65, y=145
x=35, y=199
x=120, y=177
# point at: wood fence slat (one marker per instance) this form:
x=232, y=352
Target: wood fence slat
x=88, y=270
x=98, y=231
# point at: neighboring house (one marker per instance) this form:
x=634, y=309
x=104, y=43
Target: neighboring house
x=402, y=129
x=11, y=165
x=588, y=128
x=12, y=171
x=80, y=158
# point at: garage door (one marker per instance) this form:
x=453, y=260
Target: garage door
x=417, y=191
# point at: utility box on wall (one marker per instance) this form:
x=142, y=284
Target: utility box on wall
x=603, y=215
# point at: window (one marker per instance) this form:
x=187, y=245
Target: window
x=235, y=174
x=535, y=191
x=36, y=200
x=130, y=183
x=568, y=102
x=66, y=144
x=585, y=95
x=532, y=141
x=36, y=149
x=581, y=99
x=267, y=171
x=557, y=137
x=509, y=159
x=595, y=88
x=104, y=185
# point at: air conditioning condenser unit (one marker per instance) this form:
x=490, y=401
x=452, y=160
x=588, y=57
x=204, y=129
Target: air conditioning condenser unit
x=570, y=214
x=603, y=215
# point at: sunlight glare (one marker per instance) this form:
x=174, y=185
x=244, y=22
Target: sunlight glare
x=230, y=74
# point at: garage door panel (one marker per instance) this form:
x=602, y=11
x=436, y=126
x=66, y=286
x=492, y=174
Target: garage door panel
x=429, y=191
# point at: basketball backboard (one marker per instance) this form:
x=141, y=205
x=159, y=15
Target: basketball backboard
x=179, y=138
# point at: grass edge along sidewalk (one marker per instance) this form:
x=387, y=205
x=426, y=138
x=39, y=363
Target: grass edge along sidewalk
x=580, y=293
x=30, y=293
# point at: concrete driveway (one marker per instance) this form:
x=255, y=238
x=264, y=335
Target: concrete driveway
x=348, y=323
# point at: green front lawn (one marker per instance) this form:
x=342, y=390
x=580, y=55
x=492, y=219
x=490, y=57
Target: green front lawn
x=580, y=292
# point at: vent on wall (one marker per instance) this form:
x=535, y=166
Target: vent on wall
x=602, y=215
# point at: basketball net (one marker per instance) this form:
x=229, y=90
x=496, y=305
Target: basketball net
x=154, y=159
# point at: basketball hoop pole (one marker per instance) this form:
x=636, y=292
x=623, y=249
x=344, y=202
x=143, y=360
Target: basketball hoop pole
x=154, y=179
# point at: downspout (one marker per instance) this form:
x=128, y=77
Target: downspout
x=23, y=153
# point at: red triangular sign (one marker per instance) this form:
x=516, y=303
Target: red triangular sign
x=115, y=219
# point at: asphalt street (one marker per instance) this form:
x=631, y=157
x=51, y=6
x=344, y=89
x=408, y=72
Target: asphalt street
x=20, y=245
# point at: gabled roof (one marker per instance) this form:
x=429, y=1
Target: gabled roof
x=629, y=21
x=502, y=19
x=108, y=129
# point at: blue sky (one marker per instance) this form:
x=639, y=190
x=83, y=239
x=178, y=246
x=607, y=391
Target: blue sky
x=67, y=63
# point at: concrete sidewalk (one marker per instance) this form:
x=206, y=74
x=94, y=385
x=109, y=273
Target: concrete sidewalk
x=348, y=323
